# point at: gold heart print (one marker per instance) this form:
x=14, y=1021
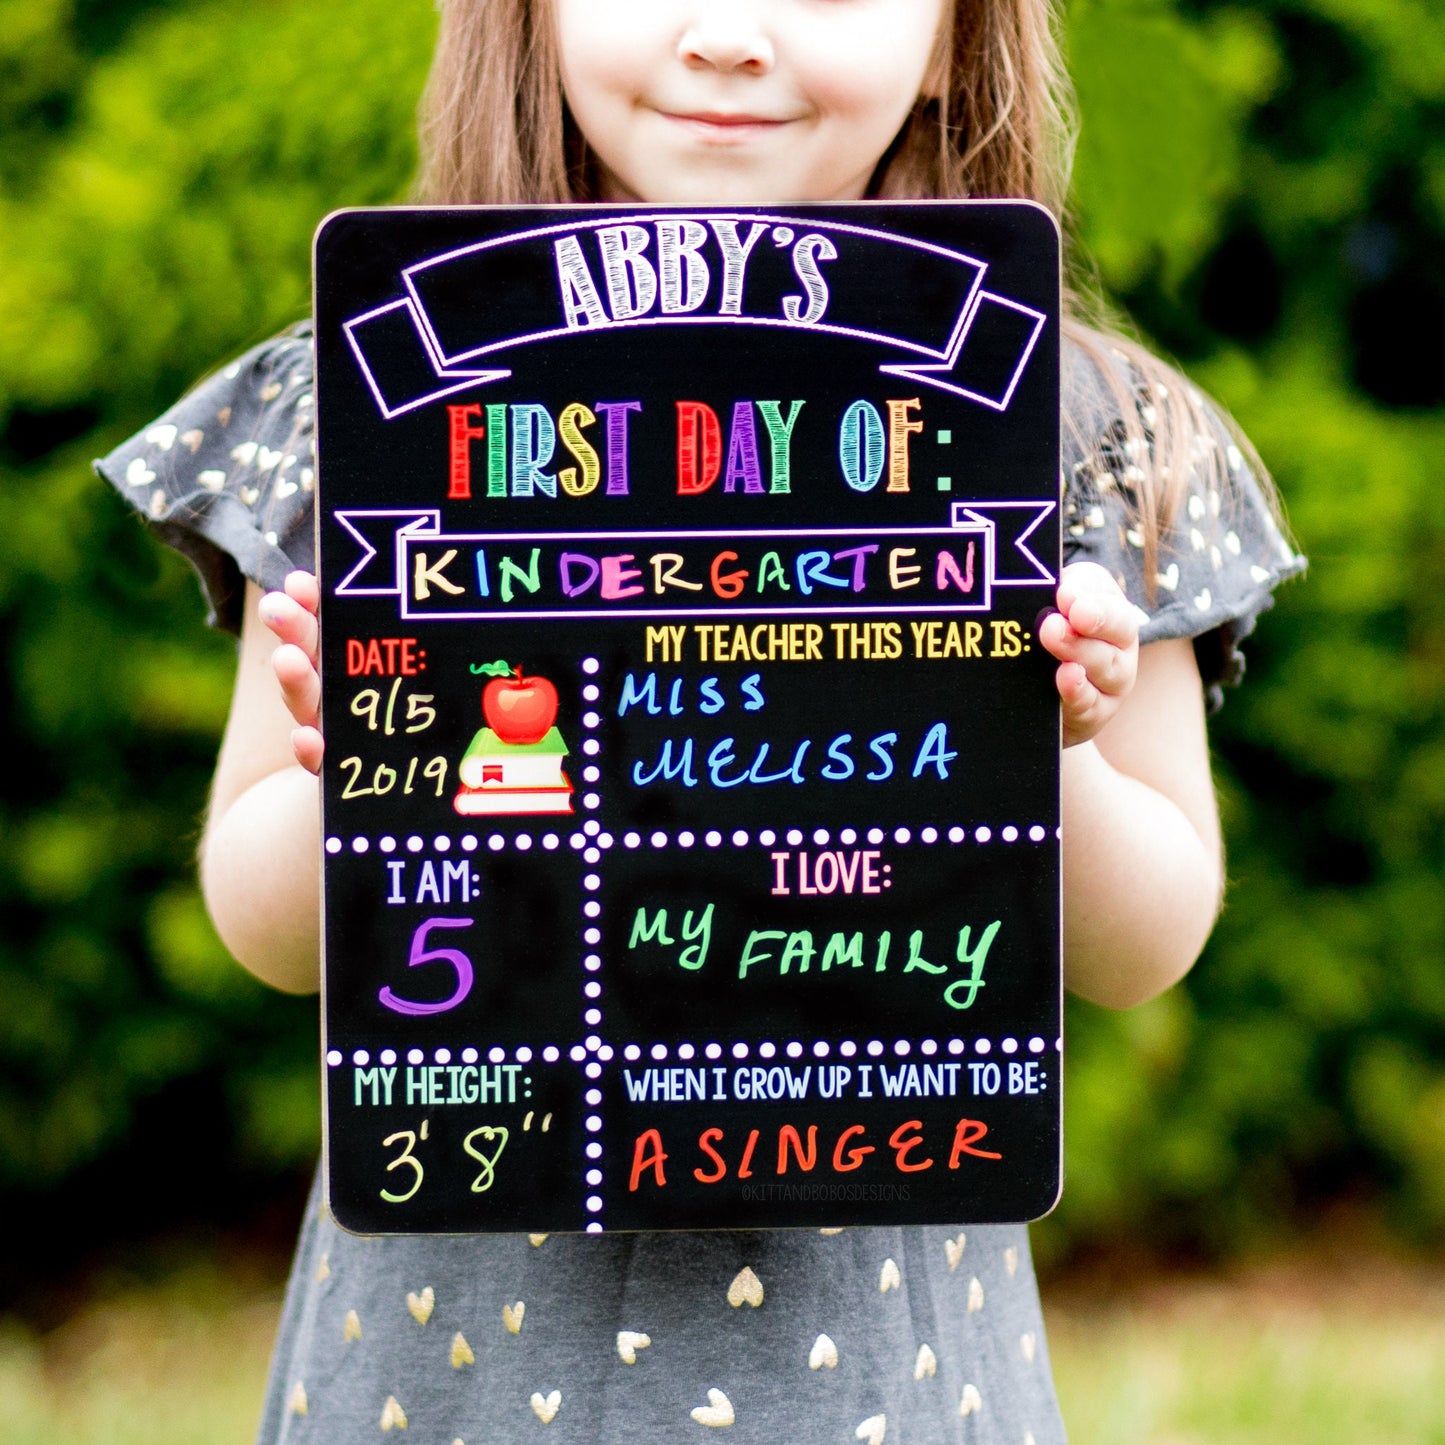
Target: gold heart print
x=872, y=1430
x=193, y=439
x=163, y=437
x=536, y=1240
x=745, y=1288
x=1011, y=1260
x=1028, y=1343
x=421, y=1305
x=351, y=1327
x=718, y=1410
x=889, y=1277
x=823, y=1355
x=972, y=1401
x=545, y=1407
x=975, y=1295
x=512, y=1316
x=461, y=1351
x=138, y=474
x=392, y=1415
x=628, y=1344
x=297, y=1403
x=953, y=1250
x=925, y=1367
x=323, y=1270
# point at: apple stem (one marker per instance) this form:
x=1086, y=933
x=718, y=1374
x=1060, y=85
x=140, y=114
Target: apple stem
x=517, y=673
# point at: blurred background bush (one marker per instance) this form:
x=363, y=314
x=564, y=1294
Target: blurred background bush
x=1262, y=187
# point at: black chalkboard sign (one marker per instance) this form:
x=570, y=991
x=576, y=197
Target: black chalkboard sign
x=691, y=790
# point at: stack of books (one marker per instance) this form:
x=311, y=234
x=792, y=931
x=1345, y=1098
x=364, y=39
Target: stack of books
x=500, y=777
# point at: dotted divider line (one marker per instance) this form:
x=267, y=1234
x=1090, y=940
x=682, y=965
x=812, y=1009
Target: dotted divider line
x=592, y=840
x=592, y=1176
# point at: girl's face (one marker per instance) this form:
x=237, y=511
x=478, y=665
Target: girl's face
x=745, y=102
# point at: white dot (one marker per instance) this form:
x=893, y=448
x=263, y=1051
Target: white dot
x=981, y=1046
x=388, y=844
x=1037, y=834
x=592, y=936
x=333, y=845
x=847, y=1048
x=929, y=1047
x=388, y=1056
x=591, y=800
x=1059, y=1044
x=592, y=962
x=902, y=1048
x=593, y=1017
x=594, y=1228
x=848, y=837
x=605, y=1053
x=982, y=835
x=576, y=1053
x=1059, y=832
x=685, y=1051
x=591, y=692
x=594, y=1177
x=820, y=836
x=414, y=1056
x=740, y=1051
x=713, y=1051
x=590, y=665
x=360, y=845
x=469, y=842
x=523, y=841
x=658, y=840
x=795, y=1050
x=469, y=1055
x=605, y=840
x=1010, y=1046
x=590, y=719
x=1036, y=1045
x=591, y=773
x=592, y=989
x=591, y=828
x=740, y=839
x=497, y=1055
x=594, y=1124
x=955, y=834
x=631, y=840
x=875, y=835
x=767, y=837
x=795, y=836
x=592, y=882
x=592, y=909
x=524, y=1055
x=443, y=1056
x=413, y=844
x=593, y=1042
x=686, y=839
x=551, y=1054
x=712, y=838
x=632, y=1052
x=593, y=1071
x=591, y=747
x=496, y=842
x=594, y=1150
x=577, y=840
x=441, y=843
x=333, y=1057
x=901, y=835
x=594, y=1204
x=658, y=1052
x=820, y=1049
x=929, y=835
x=1010, y=834
x=550, y=841
x=767, y=1050
x=592, y=855
x=875, y=1048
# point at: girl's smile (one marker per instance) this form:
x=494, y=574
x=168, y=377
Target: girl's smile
x=743, y=101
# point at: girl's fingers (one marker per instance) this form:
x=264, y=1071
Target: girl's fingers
x=300, y=683
x=302, y=587
x=306, y=744
x=291, y=620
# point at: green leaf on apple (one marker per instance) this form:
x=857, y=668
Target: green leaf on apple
x=492, y=669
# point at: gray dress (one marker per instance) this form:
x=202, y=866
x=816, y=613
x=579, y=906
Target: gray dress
x=918, y=1336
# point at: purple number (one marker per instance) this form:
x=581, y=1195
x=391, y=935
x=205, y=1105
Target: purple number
x=421, y=954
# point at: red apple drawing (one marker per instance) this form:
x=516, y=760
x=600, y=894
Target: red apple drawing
x=519, y=709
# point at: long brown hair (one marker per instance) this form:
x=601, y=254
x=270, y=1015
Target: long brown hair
x=495, y=129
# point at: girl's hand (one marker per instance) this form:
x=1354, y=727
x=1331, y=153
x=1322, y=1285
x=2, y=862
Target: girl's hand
x=291, y=616
x=1095, y=636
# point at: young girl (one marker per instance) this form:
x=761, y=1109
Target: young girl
x=914, y=1335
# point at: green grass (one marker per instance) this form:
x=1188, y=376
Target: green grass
x=1290, y=1356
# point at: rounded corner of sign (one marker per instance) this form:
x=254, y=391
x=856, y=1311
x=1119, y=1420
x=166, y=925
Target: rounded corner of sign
x=1045, y=213
x=1049, y=1203
x=334, y=221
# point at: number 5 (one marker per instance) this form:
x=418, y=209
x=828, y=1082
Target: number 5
x=421, y=954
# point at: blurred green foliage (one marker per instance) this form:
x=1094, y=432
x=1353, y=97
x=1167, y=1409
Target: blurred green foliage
x=1262, y=186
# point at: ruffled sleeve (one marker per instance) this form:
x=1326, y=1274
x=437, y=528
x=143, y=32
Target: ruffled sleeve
x=228, y=475
x=1220, y=557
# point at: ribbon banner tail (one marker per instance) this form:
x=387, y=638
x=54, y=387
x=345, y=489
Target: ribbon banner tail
x=1012, y=523
x=989, y=355
x=379, y=534
x=400, y=363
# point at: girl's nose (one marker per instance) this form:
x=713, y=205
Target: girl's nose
x=726, y=35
